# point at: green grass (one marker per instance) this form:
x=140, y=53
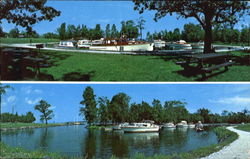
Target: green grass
x=245, y=127
x=26, y=40
x=72, y=66
x=24, y=125
x=230, y=44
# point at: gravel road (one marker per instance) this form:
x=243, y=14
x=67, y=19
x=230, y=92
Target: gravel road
x=239, y=149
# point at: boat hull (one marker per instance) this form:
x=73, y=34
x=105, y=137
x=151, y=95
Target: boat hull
x=134, y=47
x=140, y=130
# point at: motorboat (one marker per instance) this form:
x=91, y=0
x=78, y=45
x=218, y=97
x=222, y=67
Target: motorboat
x=159, y=44
x=169, y=125
x=182, y=124
x=122, y=45
x=83, y=43
x=180, y=45
x=141, y=127
x=69, y=44
x=119, y=127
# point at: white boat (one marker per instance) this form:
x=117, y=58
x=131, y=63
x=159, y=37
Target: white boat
x=199, y=126
x=169, y=125
x=182, y=124
x=140, y=128
x=119, y=127
x=191, y=125
x=122, y=45
x=69, y=44
x=159, y=44
x=180, y=45
x=84, y=43
x=198, y=47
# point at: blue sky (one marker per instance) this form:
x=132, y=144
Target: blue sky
x=65, y=98
x=91, y=13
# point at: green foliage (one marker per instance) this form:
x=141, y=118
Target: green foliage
x=193, y=32
x=119, y=108
x=114, y=32
x=2, y=33
x=50, y=35
x=27, y=40
x=244, y=127
x=129, y=29
x=8, y=117
x=103, y=112
x=26, y=13
x=108, y=31
x=62, y=31
x=14, y=33
x=89, y=110
x=44, y=108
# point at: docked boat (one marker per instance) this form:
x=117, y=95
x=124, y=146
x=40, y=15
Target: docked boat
x=84, y=43
x=140, y=127
x=119, y=127
x=122, y=45
x=180, y=45
x=169, y=125
x=198, y=47
x=69, y=44
x=159, y=44
x=182, y=124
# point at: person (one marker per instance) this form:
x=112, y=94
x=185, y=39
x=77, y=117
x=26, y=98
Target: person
x=199, y=126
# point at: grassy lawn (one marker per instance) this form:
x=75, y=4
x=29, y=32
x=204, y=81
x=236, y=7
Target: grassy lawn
x=70, y=66
x=225, y=137
x=26, y=40
x=230, y=44
x=23, y=125
x=245, y=127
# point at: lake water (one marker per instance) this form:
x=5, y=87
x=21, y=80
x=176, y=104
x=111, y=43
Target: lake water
x=79, y=141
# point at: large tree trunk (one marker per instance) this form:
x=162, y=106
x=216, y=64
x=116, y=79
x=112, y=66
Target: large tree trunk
x=208, y=39
x=46, y=122
x=208, y=33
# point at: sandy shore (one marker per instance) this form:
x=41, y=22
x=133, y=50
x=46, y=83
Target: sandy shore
x=239, y=149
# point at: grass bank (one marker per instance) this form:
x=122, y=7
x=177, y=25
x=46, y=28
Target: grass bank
x=70, y=66
x=245, y=127
x=26, y=40
x=26, y=125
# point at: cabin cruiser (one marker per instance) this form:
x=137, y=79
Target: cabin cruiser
x=69, y=44
x=180, y=45
x=159, y=44
x=110, y=44
x=182, y=124
x=141, y=127
x=83, y=43
x=199, y=126
x=169, y=125
x=119, y=127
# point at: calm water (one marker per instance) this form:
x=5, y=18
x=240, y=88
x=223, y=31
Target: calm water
x=77, y=140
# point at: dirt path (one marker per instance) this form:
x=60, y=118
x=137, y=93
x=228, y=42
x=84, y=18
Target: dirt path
x=239, y=149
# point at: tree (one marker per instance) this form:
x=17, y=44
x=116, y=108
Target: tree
x=14, y=33
x=205, y=113
x=89, y=110
x=2, y=34
x=129, y=29
x=157, y=111
x=84, y=31
x=192, y=32
x=140, y=25
x=98, y=33
x=207, y=13
x=103, y=112
x=114, y=32
x=3, y=89
x=50, y=35
x=44, y=108
x=26, y=13
x=62, y=31
x=107, y=31
x=119, y=107
x=29, y=118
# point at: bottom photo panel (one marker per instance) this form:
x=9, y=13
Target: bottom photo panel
x=102, y=120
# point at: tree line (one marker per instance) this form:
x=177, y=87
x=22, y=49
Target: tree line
x=195, y=33
x=9, y=117
x=117, y=110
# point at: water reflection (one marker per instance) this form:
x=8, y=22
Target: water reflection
x=79, y=141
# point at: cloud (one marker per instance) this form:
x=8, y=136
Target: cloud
x=38, y=91
x=30, y=90
x=32, y=102
x=11, y=99
x=237, y=100
x=53, y=107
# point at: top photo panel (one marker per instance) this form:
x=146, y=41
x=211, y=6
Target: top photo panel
x=127, y=41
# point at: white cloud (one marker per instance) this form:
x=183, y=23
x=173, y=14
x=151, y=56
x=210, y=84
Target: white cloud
x=30, y=90
x=32, y=102
x=38, y=91
x=53, y=107
x=237, y=100
x=11, y=99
